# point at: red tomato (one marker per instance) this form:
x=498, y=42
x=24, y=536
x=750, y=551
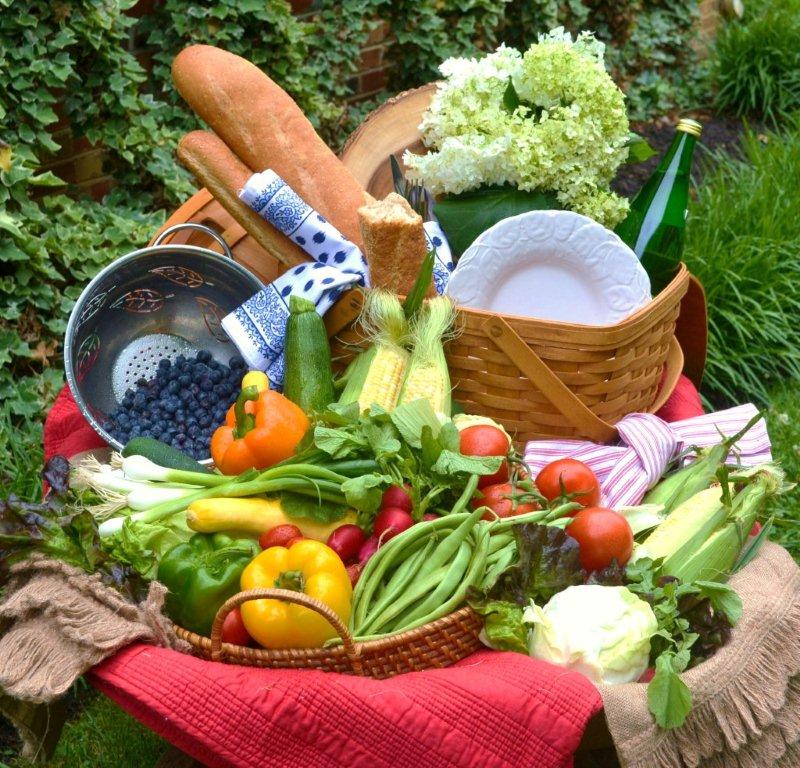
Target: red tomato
x=486, y=440
x=496, y=497
x=570, y=477
x=398, y=497
x=233, y=630
x=279, y=536
x=603, y=535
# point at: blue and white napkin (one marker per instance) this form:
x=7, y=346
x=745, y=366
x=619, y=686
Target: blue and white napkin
x=258, y=326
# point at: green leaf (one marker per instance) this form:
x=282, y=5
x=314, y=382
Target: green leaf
x=668, y=697
x=639, y=149
x=364, y=493
x=420, y=288
x=382, y=439
x=338, y=443
x=502, y=622
x=723, y=599
x=753, y=546
x=296, y=505
x=452, y=463
x=510, y=97
x=9, y=224
x=463, y=217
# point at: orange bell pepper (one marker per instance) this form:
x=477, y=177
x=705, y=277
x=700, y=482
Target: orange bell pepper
x=260, y=430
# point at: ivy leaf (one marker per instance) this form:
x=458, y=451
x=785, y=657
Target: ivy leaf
x=463, y=217
x=639, y=149
x=668, y=697
x=9, y=224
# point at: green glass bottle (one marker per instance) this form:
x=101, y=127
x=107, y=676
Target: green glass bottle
x=655, y=226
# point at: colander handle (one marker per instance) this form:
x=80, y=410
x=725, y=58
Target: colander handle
x=214, y=235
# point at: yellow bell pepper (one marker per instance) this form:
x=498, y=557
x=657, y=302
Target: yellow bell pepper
x=307, y=566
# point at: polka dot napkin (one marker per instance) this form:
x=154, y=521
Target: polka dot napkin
x=258, y=326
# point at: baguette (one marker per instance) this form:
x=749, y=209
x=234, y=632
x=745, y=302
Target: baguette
x=223, y=174
x=265, y=128
x=394, y=243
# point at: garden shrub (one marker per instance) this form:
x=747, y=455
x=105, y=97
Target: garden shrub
x=757, y=62
x=743, y=240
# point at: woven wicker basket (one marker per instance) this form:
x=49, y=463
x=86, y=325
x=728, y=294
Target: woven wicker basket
x=438, y=644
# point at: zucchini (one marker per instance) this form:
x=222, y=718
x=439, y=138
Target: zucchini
x=162, y=454
x=308, y=380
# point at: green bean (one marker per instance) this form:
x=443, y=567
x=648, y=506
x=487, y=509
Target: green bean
x=450, y=544
x=473, y=576
x=400, y=578
x=445, y=589
x=417, y=589
x=379, y=563
x=498, y=567
x=466, y=495
x=499, y=541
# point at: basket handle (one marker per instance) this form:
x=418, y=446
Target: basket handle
x=290, y=596
x=567, y=403
x=212, y=233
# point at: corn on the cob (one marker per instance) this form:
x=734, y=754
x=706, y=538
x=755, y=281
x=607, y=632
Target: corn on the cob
x=427, y=377
x=376, y=375
x=702, y=538
x=683, y=484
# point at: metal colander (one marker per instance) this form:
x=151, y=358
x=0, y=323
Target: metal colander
x=158, y=302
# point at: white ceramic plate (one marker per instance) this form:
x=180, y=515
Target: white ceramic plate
x=554, y=265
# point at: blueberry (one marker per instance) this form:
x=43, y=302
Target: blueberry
x=186, y=395
x=173, y=387
x=184, y=380
x=236, y=362
x=204, y=356
x=194, y=388
x=170, y=407
x=206, y=385
x=135, y=430
x=204, y=420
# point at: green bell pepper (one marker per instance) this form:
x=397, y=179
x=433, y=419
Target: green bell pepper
x=201, y=574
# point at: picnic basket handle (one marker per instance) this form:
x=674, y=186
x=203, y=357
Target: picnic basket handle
x=556, y=392
x=290, y=596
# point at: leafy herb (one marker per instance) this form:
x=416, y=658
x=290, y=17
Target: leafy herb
x=548, y=561
x=502, y=622
x=694, y=619
x=61, y=527
x=463, y=217
x=420, y=288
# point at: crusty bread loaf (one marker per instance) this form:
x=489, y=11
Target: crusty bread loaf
x=223, y=174
x=394, y=242
x=264, y=127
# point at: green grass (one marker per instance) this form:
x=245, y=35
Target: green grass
x=783, y=419
x=757, y=61
x=743, y=242
x=102, y=736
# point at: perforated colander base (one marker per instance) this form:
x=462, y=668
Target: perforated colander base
x=139, y=360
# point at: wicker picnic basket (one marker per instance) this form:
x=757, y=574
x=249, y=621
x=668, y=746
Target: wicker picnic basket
x=438, y=644
x=538, y=378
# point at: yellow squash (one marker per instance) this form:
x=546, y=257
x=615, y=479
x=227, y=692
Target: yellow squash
x=253, y=516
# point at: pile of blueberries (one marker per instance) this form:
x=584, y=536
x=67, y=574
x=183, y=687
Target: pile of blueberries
x=182, y=406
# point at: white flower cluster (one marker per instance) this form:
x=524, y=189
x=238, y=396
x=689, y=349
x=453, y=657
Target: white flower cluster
x=567, y=135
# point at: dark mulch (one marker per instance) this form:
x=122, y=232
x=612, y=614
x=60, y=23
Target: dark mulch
x=719, y=133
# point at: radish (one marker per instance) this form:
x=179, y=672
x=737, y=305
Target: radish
x=346, y=541
x=390, y=522
x=368, y=549
x=430, y=516
x=354, y=572
x=397, y=497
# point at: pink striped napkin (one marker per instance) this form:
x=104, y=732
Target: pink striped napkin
x=627, y=471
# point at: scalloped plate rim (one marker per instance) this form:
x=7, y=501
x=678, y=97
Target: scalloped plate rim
x=470, y=293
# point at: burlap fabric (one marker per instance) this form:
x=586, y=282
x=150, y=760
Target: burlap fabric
x=56, y=622
x=746, y=711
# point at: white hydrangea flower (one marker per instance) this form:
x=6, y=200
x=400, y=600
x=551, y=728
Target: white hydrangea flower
x=568, y=136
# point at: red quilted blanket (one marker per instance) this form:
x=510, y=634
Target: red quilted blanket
x=490, y=710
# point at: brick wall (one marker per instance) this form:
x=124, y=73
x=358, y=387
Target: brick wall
x=80, y=163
